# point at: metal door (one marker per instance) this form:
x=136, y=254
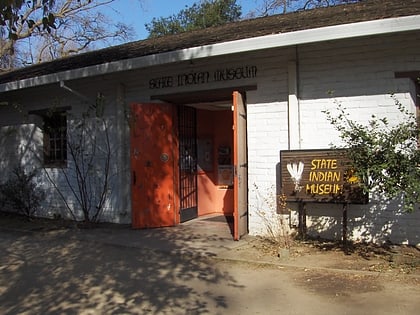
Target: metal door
x=187, y=135
x=154, y=156
x=240, y=161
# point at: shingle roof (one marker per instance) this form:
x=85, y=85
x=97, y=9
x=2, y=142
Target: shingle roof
x=365, y=10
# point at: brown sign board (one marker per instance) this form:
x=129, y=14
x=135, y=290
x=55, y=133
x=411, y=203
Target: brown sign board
x=319, y=176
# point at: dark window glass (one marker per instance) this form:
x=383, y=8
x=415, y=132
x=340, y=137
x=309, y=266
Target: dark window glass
x=55, y=139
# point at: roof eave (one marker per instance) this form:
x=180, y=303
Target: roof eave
x=329, y=33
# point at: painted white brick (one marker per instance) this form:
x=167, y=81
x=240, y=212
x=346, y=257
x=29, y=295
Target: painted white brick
x=360, y=72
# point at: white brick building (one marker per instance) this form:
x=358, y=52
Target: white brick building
x=283, y=68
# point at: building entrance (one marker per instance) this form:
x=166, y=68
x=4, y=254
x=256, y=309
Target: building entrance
x=189, y=161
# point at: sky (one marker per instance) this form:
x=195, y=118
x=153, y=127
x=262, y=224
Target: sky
x=139, y=12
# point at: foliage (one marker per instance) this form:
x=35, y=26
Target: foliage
x=311, y=4
x=386, y=157
x=199, y=16
x=44, y=30
x=269, y=7
x=22, y=192
x=12, y=19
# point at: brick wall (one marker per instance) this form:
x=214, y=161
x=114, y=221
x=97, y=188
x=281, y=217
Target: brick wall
x=359, y=72
x=21, y=140
x=360, y=75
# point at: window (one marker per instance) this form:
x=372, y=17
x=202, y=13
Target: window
x=55, y=139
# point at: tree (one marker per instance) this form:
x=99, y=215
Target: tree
x=270, y=7
x=201, y=15
x=85, y=180
x=10, y=16
x=385, y=157
x=73, y=26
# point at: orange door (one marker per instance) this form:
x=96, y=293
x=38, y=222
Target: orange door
x=154, y=159
x=240, y=181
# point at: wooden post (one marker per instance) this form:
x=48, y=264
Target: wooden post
x=345, y=206
x=302, y=220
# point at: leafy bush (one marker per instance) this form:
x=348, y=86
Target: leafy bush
x=21, y=192
x=386, y=157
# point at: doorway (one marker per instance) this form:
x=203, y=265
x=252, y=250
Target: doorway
x=164, y=157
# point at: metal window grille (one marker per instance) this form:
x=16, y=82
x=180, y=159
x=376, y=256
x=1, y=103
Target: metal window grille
x=55, y=139
x=188, y=162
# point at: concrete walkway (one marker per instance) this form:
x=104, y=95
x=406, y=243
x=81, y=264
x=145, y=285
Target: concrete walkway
x=208, y=236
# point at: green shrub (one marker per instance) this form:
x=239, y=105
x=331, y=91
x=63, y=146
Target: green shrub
x=386, y=157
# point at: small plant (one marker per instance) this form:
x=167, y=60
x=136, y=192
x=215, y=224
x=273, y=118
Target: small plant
x=272, y=210
x=21, y=192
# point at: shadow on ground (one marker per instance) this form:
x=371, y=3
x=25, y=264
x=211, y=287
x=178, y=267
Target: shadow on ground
x=58, y=272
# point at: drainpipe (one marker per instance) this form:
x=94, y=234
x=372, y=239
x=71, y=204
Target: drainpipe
x=79, y=95
x=123, y=157
x=294, y=132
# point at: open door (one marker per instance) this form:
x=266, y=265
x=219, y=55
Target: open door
x=154, y=161
x=240, y=182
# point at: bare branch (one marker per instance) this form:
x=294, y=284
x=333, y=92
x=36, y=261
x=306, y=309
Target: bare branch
x=78, y=25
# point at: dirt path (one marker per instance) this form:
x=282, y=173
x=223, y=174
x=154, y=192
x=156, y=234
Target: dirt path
x=59, y=272
x=291, y=291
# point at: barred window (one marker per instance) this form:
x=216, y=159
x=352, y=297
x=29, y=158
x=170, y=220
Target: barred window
x=55, y=139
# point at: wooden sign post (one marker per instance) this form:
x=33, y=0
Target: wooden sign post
x=320, y=176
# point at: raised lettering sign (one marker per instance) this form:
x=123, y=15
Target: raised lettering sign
x=203, y=77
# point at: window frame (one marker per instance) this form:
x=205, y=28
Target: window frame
x=54, y=131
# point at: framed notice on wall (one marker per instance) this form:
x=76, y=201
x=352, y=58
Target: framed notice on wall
x=204, y=155
x=225, y=175
x=319, y=176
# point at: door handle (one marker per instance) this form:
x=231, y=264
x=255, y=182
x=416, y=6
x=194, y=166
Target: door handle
x=134, y=177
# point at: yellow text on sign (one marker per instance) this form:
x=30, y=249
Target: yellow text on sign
x=323, y=177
